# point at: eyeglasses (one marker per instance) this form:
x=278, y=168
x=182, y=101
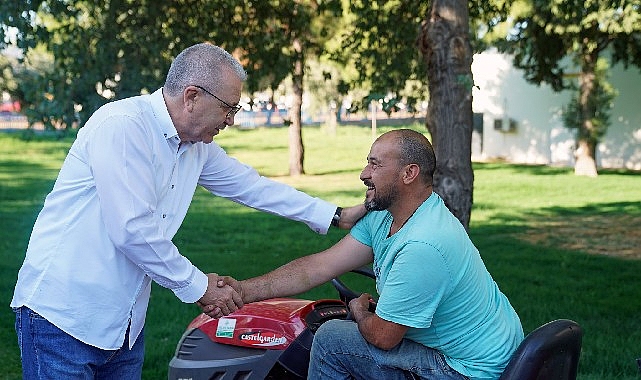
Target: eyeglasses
x=233, y=109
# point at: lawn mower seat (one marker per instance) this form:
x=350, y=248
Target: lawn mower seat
x=551, y=352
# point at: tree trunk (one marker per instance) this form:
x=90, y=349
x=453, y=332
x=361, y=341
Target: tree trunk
x=585, y=164
x=296, y=149
x=586, y=143
x=446, y=48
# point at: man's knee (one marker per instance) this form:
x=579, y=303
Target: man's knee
x=337, y=327
x=338, y=333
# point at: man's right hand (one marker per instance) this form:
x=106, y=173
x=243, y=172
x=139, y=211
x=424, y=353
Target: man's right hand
x=220, y=301
x=235, y=284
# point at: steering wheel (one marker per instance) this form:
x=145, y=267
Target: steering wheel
x=346, y=294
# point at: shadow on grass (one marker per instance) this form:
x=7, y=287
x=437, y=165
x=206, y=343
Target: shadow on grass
x=24, y=178
x=237, y=147
x=578, y=263
x=22, y=192
x=603, y=229
x=606, y=172
x=321, y=173
x=521, y=168
x=341, y=171
x=547, y=170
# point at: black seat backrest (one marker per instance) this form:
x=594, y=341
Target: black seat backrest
x=551, y=352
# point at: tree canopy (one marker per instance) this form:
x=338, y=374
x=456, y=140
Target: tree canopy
x=109, y=49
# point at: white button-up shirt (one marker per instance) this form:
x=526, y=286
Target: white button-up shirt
x=106, y=228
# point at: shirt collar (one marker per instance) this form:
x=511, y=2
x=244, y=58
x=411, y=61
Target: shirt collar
x=165, y=124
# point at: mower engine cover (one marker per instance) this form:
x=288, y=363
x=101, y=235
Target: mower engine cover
x=272, y=324
x=250, y=341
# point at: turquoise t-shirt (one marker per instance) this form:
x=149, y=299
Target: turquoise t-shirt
x=430, y=277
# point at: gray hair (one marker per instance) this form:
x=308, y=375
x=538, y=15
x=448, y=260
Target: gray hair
x=201, y=64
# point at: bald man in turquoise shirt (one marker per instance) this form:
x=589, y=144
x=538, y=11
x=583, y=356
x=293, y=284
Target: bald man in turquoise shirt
x=441, y=289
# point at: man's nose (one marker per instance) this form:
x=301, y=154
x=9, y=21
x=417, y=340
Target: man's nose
x=229, y=120
x=364, y=174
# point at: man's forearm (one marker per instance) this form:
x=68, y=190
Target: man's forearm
x=307, y=272
x=290, y=279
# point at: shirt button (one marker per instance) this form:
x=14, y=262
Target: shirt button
x=164, y=216
x=172, y=186
x=164, y=134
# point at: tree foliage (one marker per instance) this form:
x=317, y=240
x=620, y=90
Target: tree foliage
x=597, y=109
x=108, y=49
x=295, y=31
x=7, y=74
x=380, y=42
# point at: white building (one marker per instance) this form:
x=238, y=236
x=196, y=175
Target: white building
x=521, y=122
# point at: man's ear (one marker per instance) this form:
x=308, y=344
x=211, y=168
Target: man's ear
x=410, y=173
x=190, y=94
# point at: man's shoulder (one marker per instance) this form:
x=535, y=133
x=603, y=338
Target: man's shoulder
x=372, y=220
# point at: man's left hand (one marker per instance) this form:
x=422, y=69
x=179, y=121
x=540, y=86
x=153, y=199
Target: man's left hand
x=351, y=215
x=359, y=307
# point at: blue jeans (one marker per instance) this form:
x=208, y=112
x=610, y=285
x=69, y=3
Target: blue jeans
x=49, y=353
x=339, y=351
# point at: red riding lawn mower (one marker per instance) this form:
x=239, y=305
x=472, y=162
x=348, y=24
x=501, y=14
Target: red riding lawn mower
x=269, y=339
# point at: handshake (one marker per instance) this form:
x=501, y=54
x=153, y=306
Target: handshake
x=223, y=296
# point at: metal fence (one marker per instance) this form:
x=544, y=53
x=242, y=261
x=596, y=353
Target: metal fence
x=13, y=121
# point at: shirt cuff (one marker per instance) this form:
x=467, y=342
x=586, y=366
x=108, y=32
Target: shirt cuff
x=196, y=288
x=323, y=212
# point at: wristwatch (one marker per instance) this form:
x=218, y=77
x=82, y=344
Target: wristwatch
x=337, y=216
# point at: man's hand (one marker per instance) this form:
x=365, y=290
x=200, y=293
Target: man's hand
x=227, y=280
x=377, y=331
x=351, y=215
x=219, y=301
x=230, y=281
x=361, y=306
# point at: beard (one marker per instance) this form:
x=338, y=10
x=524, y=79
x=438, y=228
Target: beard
x=381, y=201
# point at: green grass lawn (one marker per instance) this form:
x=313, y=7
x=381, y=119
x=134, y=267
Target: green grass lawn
x=558, y=245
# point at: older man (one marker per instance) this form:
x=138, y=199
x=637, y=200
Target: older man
x=106, y=228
